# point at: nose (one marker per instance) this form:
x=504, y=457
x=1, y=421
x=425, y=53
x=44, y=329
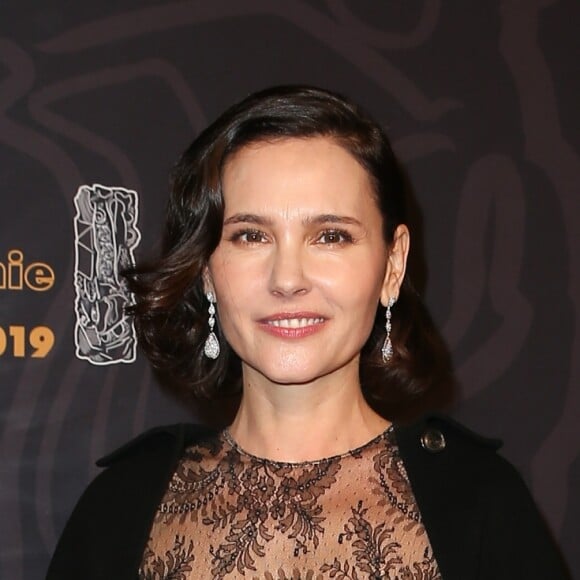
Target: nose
x=288, y=275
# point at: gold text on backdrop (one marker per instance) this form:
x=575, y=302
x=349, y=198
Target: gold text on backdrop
x=15, y=275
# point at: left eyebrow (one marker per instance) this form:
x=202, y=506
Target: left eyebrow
x=333, y=219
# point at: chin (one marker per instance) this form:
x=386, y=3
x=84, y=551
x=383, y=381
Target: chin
x=296, y=378
x=289, y=376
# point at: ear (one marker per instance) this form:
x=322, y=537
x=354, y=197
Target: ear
x=396, y=265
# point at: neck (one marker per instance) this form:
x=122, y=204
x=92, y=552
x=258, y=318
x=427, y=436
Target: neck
x=304, y=422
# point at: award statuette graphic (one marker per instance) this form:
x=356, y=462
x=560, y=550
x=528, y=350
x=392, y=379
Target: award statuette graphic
x=106, y=236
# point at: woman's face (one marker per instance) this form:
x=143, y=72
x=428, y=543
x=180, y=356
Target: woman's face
x=302, y=262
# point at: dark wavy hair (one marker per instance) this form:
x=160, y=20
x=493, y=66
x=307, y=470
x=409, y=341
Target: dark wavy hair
x=170, y=312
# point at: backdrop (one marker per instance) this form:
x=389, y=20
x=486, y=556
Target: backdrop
x=97, y=99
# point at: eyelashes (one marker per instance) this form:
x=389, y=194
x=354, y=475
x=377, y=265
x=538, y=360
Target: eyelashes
x=327, y=237
x=335, y=237
x=248, y=236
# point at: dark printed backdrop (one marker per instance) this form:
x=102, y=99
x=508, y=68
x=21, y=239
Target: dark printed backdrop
x=480, y=99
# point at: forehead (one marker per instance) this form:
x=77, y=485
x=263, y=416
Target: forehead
x=297, y=172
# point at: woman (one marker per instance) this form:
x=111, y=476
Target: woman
x=283, y=275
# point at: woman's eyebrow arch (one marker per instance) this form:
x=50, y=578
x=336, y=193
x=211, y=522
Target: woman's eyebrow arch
x=250, y=218
x=324, y=218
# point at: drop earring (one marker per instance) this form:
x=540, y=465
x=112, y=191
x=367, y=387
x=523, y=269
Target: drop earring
x=211, y=348
x=387, y=350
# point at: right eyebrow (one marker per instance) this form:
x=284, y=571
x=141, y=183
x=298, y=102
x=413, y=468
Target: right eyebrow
x=250, y=218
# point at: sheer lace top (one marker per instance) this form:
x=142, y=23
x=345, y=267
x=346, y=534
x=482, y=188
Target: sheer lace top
x=227, y=514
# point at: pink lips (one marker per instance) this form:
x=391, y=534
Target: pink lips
x=293, y=324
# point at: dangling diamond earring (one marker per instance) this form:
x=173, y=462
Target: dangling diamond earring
x=211, y=349
x=387, y=350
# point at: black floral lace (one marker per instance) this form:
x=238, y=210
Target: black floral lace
x=229, y=514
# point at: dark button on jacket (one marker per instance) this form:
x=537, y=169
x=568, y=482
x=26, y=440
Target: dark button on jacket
x=433, y=440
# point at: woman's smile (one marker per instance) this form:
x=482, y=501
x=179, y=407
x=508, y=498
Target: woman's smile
x=292, y=325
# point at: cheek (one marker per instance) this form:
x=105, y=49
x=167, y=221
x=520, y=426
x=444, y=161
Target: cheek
x=236, y=286
x=355, y=285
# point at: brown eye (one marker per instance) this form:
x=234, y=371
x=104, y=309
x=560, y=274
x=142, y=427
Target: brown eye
x=249, y=237
x=334, y=237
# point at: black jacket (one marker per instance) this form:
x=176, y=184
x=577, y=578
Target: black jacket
x=479, y=515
